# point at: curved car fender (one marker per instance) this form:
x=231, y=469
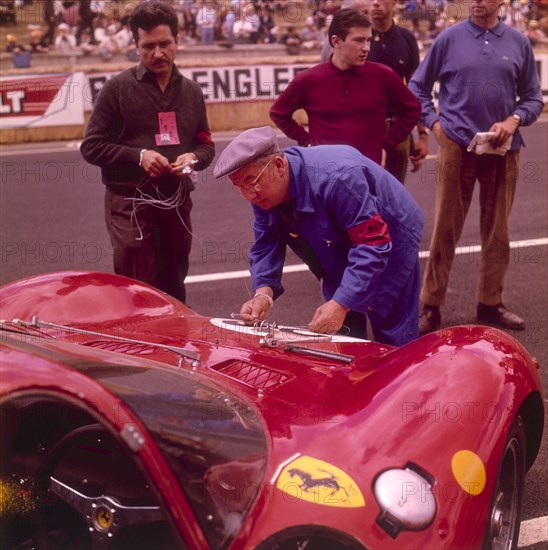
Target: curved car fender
x=446, y=411
x=441, y=406
x=86, y=297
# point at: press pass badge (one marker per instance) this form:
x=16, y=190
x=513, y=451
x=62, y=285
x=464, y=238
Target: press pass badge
x=167, y=125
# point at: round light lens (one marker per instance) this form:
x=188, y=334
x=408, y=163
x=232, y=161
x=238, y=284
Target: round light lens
x=405, y=499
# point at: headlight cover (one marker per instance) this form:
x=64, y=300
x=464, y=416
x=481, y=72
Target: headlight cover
x=405, y=499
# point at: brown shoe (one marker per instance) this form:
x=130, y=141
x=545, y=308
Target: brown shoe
x=429, y=319
x=500, y=316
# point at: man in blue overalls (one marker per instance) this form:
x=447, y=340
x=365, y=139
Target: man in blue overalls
x=355, y=226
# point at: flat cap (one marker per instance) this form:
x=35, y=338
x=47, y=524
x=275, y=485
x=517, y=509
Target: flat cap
x=248, y=146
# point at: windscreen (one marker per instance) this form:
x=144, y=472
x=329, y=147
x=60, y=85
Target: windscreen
x=216, y=448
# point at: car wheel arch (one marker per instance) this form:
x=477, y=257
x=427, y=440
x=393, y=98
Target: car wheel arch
x=531, y=411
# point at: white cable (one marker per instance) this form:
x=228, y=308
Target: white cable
x=163, y=202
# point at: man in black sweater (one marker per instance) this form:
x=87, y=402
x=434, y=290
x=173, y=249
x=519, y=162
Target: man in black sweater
x=148, y=132
x=396, y=47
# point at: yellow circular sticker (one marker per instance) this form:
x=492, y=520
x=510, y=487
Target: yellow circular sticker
x=469, y=471
x=314, y=480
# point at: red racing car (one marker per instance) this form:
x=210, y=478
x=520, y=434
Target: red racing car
x=130, y=421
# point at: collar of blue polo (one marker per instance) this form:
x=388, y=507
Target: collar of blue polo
x=478, y=31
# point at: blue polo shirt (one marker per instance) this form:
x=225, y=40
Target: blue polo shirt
x=485, y=76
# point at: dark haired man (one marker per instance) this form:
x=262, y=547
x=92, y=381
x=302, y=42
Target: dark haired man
x=148, y=131
x=348, y=99
x=396, y=47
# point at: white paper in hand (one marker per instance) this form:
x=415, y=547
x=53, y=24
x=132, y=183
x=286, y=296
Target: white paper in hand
x=481, y=145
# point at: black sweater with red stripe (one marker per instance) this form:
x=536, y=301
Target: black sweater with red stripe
x=125, y=120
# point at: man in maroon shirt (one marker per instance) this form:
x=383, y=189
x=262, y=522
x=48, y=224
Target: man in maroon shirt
x=347, y=99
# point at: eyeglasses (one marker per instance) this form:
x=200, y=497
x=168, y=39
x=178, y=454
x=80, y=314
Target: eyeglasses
x=253, y=186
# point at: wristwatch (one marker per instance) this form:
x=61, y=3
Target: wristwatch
x=517, y=118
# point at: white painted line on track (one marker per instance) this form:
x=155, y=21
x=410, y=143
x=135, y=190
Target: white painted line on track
x=223, y=276
x=473, y=249
x=461, y=250
x=533, y=531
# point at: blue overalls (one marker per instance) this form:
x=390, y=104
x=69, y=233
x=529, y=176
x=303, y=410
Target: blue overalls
x=356, y=227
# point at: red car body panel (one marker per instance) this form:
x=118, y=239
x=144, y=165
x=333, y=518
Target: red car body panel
x=455, y=391
x=45, y=375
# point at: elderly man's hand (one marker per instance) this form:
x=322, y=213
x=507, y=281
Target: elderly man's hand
x=328, y=318
x=258, y=308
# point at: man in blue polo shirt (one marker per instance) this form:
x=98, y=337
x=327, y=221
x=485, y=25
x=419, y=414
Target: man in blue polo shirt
x=488, y=83
x=355, y=226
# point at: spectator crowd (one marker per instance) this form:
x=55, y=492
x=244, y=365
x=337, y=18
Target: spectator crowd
x=96, y=26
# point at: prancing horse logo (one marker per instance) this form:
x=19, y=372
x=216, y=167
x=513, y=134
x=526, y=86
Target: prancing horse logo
x=318, y=482
x=308, y=483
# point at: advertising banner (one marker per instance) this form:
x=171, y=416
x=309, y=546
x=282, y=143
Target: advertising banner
x=41, y=100
x=63, y=99
x=222, y=84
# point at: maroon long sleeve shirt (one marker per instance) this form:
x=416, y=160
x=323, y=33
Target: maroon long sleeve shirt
x=348, y=107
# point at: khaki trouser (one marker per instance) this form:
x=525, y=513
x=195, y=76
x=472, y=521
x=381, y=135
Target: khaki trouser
x=457, y=172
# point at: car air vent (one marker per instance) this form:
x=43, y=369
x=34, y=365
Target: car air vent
x=129, y=348
x=252, y=375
